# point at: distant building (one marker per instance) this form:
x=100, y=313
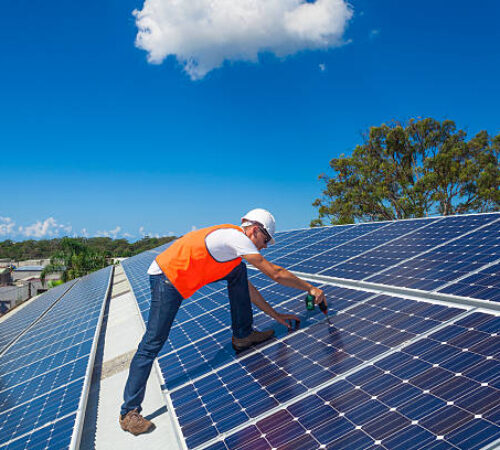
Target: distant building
x=5, y=276
x=22, y=283
x=27, y=272
x=11, y=296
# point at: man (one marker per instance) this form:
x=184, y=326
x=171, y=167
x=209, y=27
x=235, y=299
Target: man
x=192, y=261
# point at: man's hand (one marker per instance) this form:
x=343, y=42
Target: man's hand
x=287, y=320
x=284, y=277
x=318, y=294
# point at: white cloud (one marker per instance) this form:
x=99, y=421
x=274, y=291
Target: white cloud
x=48, y=228
x=374, y=34
x=143, y=233
x=6, y=225
x=111, y=233
x=202, y=34
x=322, y=67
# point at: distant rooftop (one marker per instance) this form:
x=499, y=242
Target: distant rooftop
x=29, y=268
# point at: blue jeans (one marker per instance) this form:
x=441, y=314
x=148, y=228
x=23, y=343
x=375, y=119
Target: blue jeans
x=165, y=302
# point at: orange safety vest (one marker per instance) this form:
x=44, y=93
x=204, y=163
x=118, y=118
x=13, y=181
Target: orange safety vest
x=188, y=264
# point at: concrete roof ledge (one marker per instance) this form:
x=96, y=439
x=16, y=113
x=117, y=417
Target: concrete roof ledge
x=121, y=332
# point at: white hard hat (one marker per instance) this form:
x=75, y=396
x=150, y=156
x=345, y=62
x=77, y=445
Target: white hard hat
x=262, y=217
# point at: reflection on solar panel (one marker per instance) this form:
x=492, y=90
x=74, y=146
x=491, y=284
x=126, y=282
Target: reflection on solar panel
x=395, y=371
x=44, y=374
x=440, y=392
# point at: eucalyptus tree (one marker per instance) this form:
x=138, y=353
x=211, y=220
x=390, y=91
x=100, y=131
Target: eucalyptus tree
x=400, y=171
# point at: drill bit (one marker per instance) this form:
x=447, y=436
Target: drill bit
x=324, y=309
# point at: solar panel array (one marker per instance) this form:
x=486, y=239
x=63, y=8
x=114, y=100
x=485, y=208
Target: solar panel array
x=44, y=374
x=15, y=324
x=394, y=371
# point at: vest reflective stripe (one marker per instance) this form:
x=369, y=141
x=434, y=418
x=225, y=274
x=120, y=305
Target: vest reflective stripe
x=187, y=263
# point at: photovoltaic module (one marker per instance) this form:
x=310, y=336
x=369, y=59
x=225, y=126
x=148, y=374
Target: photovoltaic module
x=410, y=358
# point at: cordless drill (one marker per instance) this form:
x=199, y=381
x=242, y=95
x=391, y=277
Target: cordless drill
x=310, y=305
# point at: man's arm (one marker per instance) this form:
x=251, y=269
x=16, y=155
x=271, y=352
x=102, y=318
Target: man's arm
x=258, y=300
x=283, y=276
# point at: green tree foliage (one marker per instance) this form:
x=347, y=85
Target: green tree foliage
x=404, y=171
x=112, y=248
x=75, y=259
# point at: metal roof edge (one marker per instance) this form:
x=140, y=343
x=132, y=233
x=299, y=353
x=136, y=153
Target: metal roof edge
x=407, y=292
x=80, y=412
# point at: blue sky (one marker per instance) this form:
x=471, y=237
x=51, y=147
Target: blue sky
x=97, y=140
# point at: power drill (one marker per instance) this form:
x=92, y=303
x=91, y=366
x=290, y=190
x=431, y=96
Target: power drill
x=310, y=304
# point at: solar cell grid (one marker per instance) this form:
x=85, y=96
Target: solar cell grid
x=288, y=241
x=47, y=355
x=201, y=356
x=313, y=258
x=484, y=284
x=283, y=370
x=42, y=382
x=214, y=315
x=401, y=252
x=54, y=435
x=365, y=243
x=68, y=320
x=448, y=262
x=406, y=400
x=283, y=238
x=40, y=411
x=396, y=251
x=312, y=236
x=25, y=390
x=23, y=318
x=22, y=372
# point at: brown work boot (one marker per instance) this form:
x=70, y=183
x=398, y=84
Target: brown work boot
x=135, y=423
x=255, y=337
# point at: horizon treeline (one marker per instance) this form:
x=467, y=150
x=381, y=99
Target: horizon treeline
x=45, y=248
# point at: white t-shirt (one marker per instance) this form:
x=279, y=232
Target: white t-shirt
x=224, y=245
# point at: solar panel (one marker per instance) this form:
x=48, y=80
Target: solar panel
x=295, y=365
x=299, y=241
x=483, y=284
x=44, y=374
x=450, y=261
x=16, y=323
x=387, y=232
x=393, y=252
x=311, y=258
x=442, y=391
x=211, y=351
x=288, y=240
x=55, y=435
x=396, y=371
